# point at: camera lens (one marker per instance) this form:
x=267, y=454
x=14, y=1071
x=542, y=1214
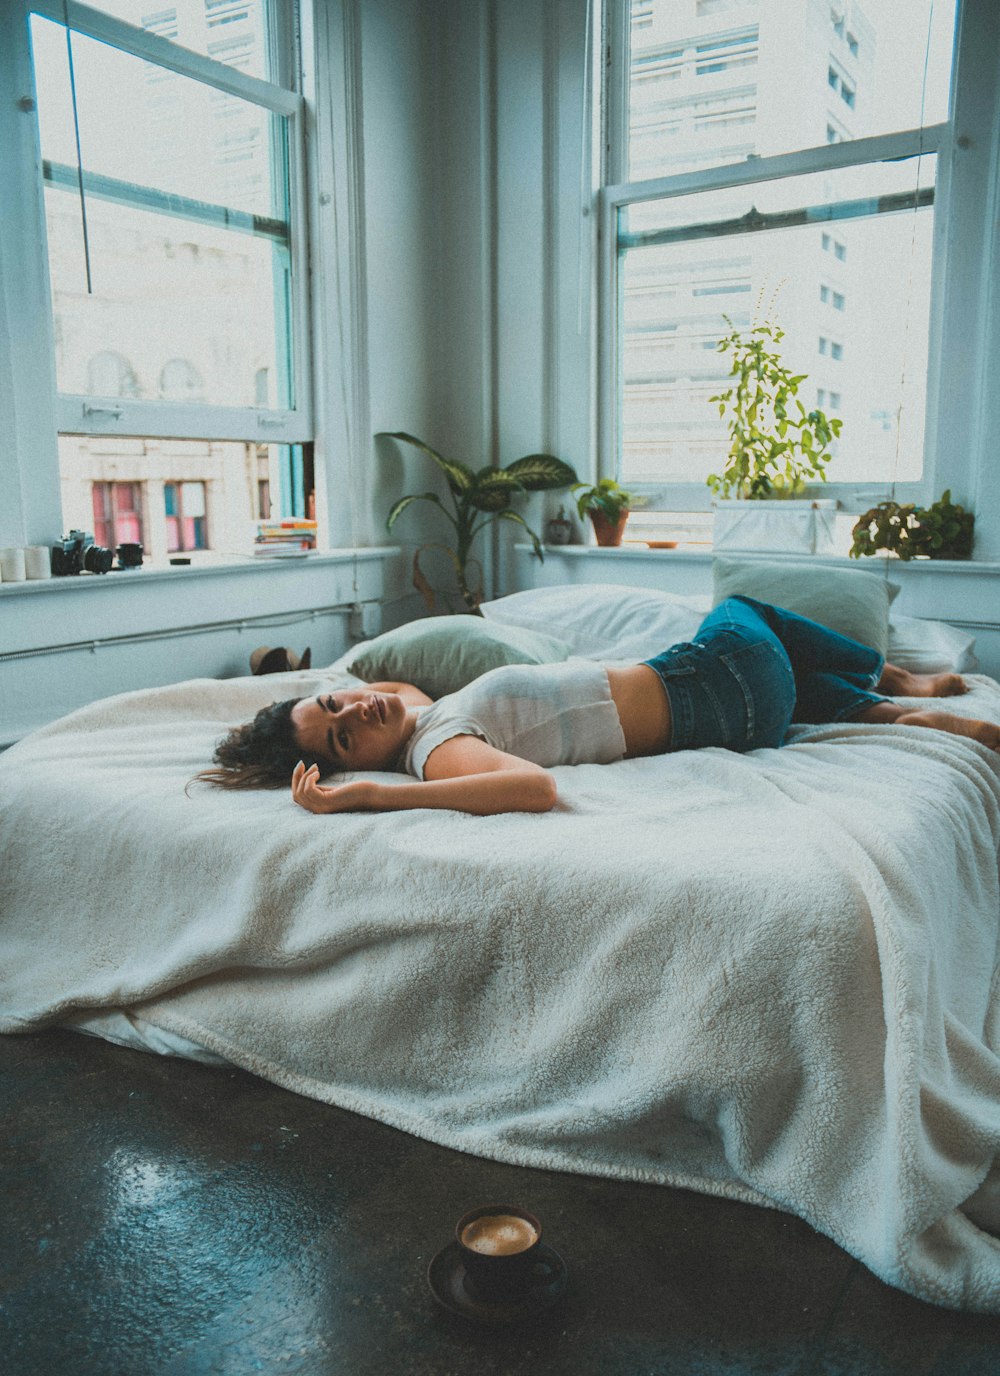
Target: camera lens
x=129, y=556
x=98, y=559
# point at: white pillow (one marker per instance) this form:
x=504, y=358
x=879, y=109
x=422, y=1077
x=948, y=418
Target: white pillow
x=603, y=620
x=930, y=647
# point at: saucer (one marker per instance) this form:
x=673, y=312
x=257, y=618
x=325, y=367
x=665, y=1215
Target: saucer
x=447, y=1278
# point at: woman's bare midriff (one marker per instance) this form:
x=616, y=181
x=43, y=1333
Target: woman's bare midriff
x=643, y=709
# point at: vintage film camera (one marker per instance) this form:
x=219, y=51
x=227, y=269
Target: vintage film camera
x=77, y=553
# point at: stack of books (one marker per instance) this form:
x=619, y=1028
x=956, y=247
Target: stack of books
x=280, y=539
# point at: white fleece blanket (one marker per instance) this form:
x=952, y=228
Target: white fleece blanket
x=769, y=977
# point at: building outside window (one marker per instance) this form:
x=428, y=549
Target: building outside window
x=762, y=202
x=174, y=287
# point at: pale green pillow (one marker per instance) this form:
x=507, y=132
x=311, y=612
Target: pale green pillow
x=440, y=654
x=853, y=603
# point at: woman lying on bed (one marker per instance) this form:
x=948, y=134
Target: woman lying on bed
x=751, y=672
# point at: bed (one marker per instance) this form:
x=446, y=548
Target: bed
x=770, y=977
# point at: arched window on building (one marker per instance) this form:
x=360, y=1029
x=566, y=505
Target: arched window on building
x=111, y=375
x=180, y=381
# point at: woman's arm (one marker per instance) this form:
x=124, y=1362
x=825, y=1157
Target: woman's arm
x=413, y=696
x=464, y=774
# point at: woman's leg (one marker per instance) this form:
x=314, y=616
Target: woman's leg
x=835, y=677
x=900, y=683
x=986, y=732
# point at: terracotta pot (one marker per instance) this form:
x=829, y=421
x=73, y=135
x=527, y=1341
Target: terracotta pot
x=608, y=532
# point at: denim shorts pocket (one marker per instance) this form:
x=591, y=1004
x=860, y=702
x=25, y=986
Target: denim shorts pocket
x=767, y=684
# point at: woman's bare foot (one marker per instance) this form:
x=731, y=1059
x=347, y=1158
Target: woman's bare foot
x=985, y=732
x=900, y=683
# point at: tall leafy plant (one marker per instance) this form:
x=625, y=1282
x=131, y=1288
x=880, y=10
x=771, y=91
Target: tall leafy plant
x=776, y=445
x=478, y=499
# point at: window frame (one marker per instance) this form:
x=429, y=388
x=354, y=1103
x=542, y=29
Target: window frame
x=958, y=208
x=95, y=415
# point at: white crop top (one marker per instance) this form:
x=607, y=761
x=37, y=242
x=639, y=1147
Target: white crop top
x=547, y=713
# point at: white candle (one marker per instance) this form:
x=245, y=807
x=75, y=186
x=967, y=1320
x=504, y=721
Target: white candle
x=12, y=565
x=38, y=561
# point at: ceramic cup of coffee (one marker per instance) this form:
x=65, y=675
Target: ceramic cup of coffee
x=499, y=1247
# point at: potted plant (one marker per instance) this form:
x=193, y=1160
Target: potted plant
x=776, y=446
x=942, y=530
x=478, y=499
x=608, y=505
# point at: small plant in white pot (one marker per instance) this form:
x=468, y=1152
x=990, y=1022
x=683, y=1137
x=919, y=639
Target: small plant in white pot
x=776, y=447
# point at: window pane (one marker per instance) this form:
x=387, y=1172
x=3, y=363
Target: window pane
x=197, y=494
x=870, y=352
x=162, y=130
x=713, y=82
x=230, y=31
x=187, y=237
x=162, y=288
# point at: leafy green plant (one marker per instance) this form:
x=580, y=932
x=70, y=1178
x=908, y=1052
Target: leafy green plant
x=605, y=496
x=776, y=445
x=478, y=499
x=942, y=530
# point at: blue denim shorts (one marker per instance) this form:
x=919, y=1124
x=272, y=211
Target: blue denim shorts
x=752, y=670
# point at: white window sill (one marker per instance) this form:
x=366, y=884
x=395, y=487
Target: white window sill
x=697, y=553
x=160, y=573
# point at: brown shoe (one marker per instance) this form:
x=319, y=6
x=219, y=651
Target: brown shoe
x=278, y=661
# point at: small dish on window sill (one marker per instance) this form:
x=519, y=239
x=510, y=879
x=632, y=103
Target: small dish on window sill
x=661, y=544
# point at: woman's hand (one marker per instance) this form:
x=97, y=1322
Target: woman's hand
x=463, y=774
x=357, y=796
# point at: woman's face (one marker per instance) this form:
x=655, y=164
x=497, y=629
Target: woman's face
x=353, y=728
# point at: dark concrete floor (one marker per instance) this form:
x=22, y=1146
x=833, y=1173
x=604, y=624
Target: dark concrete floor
x=165, y=1219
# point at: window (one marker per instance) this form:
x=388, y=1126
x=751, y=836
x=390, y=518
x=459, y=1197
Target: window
x=117, y=513
x=184, y=505
x=263, y=499
x=111, y=375
x=175, y=288
x=852, y=44
x=180, y=380
x=835, y=401
x=673, y=206
x=202, y=20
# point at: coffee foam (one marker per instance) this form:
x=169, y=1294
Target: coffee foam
x=499, y=1235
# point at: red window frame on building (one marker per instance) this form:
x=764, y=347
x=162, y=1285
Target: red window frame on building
x=117, y=513
x=185, y=530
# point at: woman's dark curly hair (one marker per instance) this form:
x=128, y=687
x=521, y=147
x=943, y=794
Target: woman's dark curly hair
x=261, y=753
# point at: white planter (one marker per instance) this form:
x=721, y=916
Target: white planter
x=777, y=526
